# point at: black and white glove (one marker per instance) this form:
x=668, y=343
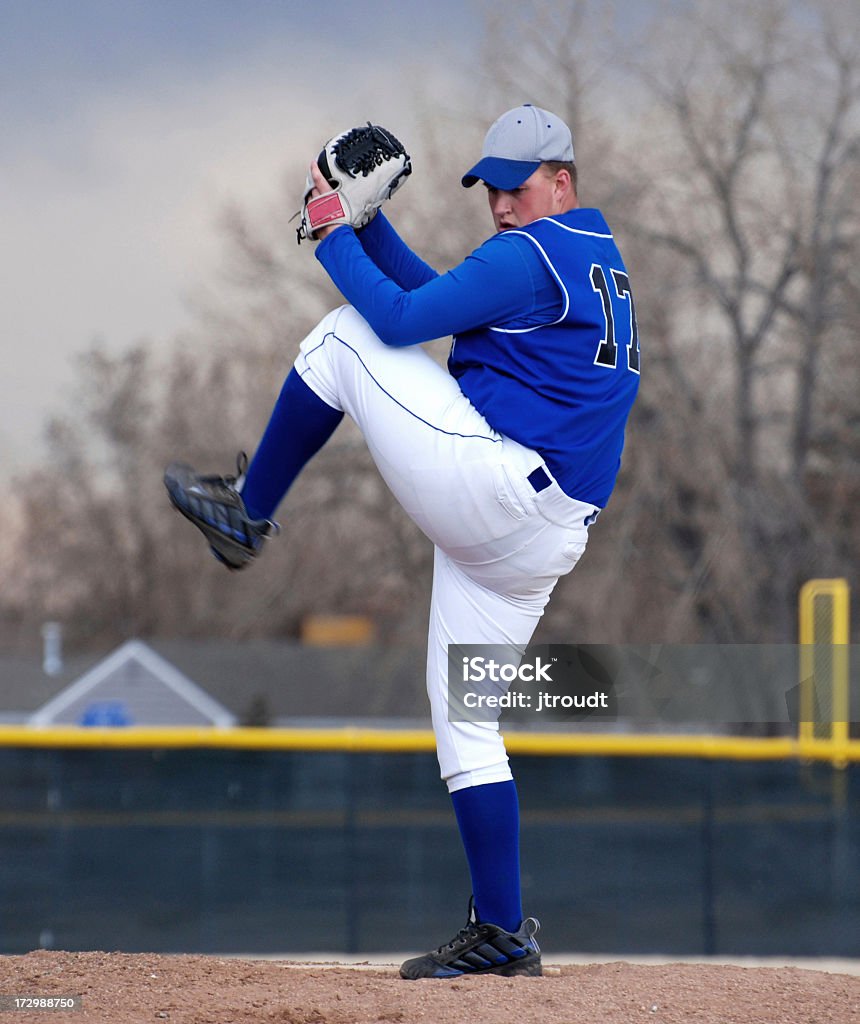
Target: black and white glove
x=365, y=166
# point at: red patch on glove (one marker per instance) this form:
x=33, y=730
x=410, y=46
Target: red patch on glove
x=325, y=209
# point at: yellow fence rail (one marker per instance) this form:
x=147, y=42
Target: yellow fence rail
x=360, y=740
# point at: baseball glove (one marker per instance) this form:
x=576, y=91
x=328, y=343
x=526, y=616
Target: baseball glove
x=365, y=166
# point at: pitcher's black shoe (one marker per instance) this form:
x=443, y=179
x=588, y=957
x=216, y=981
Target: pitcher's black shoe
x=215, y=506
x=481, y=948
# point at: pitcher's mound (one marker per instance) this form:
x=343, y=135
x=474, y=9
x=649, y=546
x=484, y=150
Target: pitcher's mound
x=122, y=988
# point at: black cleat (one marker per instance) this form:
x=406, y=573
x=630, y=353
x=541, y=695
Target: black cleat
x=481, y=948
x=216, y=508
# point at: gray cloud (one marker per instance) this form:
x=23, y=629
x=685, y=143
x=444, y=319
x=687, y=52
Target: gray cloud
x=112, y=176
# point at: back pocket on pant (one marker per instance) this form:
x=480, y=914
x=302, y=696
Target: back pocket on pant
x=507, y=496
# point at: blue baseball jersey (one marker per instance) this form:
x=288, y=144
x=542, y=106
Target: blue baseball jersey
x=545, y=339
x=564, y=389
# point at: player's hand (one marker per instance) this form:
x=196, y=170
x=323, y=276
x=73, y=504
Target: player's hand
x=321, y=186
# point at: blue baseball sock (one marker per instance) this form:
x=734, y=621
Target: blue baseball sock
x=489, y=820
x=299, y=426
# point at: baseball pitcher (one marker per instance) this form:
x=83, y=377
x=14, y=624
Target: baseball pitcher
x=504, y=460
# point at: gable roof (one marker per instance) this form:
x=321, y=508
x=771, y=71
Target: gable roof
x=137, y=686
x=258, y=681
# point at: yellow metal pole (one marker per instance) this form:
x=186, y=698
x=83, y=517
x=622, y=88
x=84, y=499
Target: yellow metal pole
x=806, y=708
x=837, y=637
x=841, y=682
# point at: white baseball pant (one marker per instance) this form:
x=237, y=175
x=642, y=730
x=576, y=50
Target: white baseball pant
x=500, y=545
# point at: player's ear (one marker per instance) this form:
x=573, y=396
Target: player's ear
x=562, y=182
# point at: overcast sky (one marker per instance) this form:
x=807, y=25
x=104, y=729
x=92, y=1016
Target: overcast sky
x=126, y=127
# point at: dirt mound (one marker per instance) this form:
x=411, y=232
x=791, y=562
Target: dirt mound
x=122, y=988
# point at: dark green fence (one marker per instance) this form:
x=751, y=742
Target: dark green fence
x=259, y=852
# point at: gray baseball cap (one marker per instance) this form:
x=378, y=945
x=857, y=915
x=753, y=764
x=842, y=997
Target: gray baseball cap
x=517, y=144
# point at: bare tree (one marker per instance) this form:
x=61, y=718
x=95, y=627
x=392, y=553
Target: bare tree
x=749, y=195
x=724, y=150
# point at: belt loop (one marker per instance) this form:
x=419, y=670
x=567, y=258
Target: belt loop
x=539, y=479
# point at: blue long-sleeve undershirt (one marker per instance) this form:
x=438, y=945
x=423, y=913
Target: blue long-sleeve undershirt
x=393, y=256
x=406, y=302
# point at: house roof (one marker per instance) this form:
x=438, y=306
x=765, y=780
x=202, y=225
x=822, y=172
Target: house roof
x=133, y=684
x=259, y=680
